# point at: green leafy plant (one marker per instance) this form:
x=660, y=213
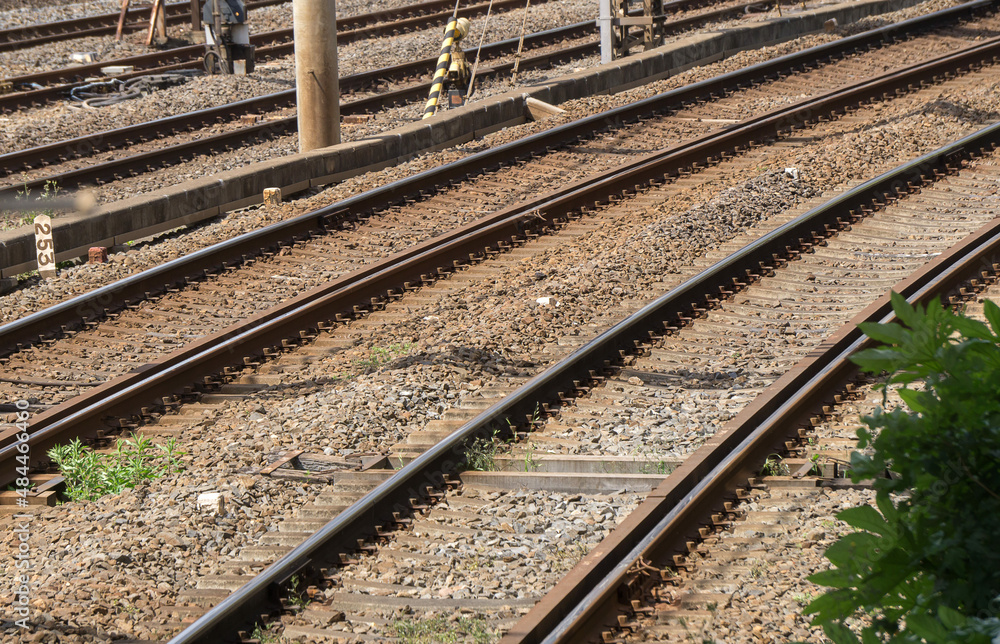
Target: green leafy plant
x=481, y=454
x=530, y=462
x=90, y=475
x=774, y=465
x=266, y=635
x=297, y=594
x=924, y=564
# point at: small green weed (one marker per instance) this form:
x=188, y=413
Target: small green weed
x=653, y=462
x=379, y=356
x=266, y=635
x=656, y=467
x=49, y=189
x=91, y=475
x=701, y=636
x=296, y=594
x=530, y=462
x=801, y=599
x=774, y=466
x=568, y=556
x=23, y=217
x=441, y=630
x=481, y=454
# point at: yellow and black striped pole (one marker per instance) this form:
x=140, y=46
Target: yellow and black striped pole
x=444, y=61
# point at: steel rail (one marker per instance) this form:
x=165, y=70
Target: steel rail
x=75, y=312
x=429, y=470
x=106, y=24
x=83, y=146
x=598, y=589
x=227, y=141
x=51, y=153
x=352, y=29
x=211, y=355
x=103, y=25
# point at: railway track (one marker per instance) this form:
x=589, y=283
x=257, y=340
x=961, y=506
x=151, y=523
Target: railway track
x=556, y=45
x=137, y=18
x=377, y=577
x=575, y=44
x=683, y=124
x=900, y=234
x=642, y=170
x=90, y=307
x=781, y=517
x=56, y=84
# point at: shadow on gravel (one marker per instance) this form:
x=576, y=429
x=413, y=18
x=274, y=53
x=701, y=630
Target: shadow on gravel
x=469, y=362
x=961, y=110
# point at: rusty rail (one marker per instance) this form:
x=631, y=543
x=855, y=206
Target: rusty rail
x=137, y=18
x=211, y=355
x=91, y=306
x=14, y=162
x=271, y=44
x=591, y=597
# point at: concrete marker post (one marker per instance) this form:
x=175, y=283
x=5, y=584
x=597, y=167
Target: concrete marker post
x=45, y=250
x=317, y=86
x=272, y=196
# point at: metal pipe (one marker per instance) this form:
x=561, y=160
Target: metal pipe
x=217, y=29
x=317, y=86
x=520, y=44
x=479, y=50
x=441, y=72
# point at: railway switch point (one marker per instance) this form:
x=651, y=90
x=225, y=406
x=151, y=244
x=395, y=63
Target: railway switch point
x=227, y=38
x=452, y=67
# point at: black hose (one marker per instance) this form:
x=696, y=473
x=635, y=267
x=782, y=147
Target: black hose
x=103, y=93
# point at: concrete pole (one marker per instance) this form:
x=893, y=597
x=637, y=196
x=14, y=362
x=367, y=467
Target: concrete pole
x=604, y=21
x=317, y=86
